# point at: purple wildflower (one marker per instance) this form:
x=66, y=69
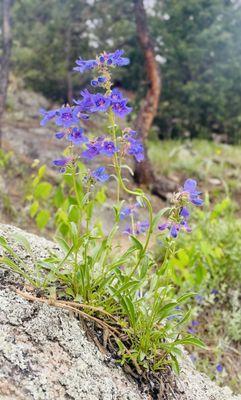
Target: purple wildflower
x=136, y=149
x=76, y=136
x=185, y=213
x=120, y=108
x=130, y=210
x=116, y=95
x=108, y=148
x=100, y=174
x=174, y=230
x=141, y=227
x=190, y=186
x=219, y=367
x=59, y=135
x=66, y=117
x=117, y=59
x=138, y=228
x=85, y=65
x=47, y=116
x=99, y=103
x=62, y=163
x=93, y=149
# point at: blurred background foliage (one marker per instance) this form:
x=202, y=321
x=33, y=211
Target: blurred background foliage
x=199, y=59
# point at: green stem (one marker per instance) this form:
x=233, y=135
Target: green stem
x=132, y=192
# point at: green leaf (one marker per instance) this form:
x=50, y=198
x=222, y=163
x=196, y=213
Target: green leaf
x=34, y=208
x=42, y=190
x=42, y=218
x=136, y=243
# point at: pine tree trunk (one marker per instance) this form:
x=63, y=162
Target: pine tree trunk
x=144, y=173
x=5, y=58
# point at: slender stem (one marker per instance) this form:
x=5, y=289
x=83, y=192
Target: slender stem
x=132, y=192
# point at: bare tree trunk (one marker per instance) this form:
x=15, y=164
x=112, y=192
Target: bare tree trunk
x=5, y=58
x=144, y=173
x=68, y=64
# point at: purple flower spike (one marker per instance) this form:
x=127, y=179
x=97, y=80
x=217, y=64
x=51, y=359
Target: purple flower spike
x=77, y=137
x=100, y=174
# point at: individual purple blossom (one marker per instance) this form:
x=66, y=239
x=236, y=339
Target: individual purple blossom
x=47, y=115
x=93, y=149
x=59, y=135
x=108, y=148
x=219, y=368
x=66, y=117
x=116, y=96
x=99, y=103
x=185, y=213
x=115, y=58
x=100, y=174
x=102, y=79
x=190, y=188
x=120, y=108
x=77, y=137
x=195, y=323
x=85, y=65
x=136, y=149
x=98, y=81
x=214, y=291
x=62, y=163
x=86, y=102
x=174, y=228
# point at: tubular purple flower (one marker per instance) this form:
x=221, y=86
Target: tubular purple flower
x=93, y=149
x=120, y=108
x=85, y=65
x=59, y=135
x=100, y=174
x=47, y=115
x=116, y=96
x=100, y=103
x=66, y=117
x=136, y=149
x=77, y=137
x=190, y=186
x=108, y=148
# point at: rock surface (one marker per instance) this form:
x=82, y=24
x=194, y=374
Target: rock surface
x=45, y=355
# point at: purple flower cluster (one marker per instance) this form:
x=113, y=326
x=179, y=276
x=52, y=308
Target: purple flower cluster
x=99, y=146
x=99, y=102
x=179, y=219
x=68, y=118
x=104, y=60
